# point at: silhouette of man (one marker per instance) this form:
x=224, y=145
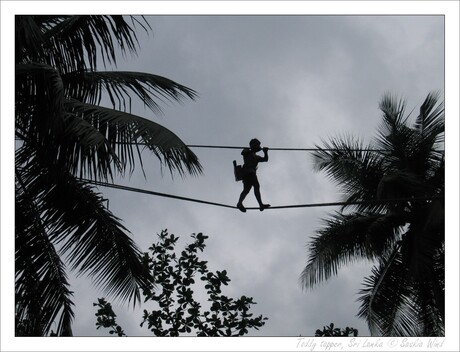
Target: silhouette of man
x=251, y=159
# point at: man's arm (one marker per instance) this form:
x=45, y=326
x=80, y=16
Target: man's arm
x=265, y=157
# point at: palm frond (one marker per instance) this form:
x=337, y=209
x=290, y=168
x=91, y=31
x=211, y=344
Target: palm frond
x=411, y=148
x=387, y=302
x=98, y=244
x=73, y=43
x=354, y=167
x=430, y=136
x=438, y=281
x=78, y=40
x=39, y=98
x=431, y=117
x=85, y=151
x=430, y=316
x=346, y=152
x=95, y=241
x=28, y=39
x=394, y=136
x=126, y=133
x=89, y=87
x=42, y=288
x=346, y=239
x=393, y=111
x=422, y=241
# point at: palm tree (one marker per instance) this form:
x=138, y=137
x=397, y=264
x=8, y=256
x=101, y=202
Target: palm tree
x=64, y=134
x=404, y=295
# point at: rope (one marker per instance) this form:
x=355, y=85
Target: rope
x=153, y=193
x=281, y=149
x=310, y=205
x=277, y=149
x=293, y=149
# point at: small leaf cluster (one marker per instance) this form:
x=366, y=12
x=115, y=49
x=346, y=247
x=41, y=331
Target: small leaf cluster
x=172, y=289
x=106, y=317
x=333, y=331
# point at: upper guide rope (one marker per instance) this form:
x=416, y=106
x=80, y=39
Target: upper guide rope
x=280, y=149
x=310, y=205
x=294, y=149
x=275, y=148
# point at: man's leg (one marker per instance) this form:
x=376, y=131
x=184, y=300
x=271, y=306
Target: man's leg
x=256, y=185
x=246, y=189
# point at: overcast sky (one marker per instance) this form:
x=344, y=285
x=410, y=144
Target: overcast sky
x=290, y=81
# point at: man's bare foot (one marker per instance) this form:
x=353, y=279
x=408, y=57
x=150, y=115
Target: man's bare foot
x=264, y=206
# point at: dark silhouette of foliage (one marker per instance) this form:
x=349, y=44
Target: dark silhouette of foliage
x=178, y=312
x=106, y=318
x=404, y=296
x=331, y=330
x=64, y=133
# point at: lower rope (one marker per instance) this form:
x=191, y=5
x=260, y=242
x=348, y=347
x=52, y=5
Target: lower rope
x=310, y=205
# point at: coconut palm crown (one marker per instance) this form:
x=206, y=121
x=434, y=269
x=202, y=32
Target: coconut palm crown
x=404, y=295
x=64, y=135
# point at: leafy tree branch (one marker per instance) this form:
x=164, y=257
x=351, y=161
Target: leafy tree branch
x=172, y=290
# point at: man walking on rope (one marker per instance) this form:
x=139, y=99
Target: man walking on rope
x=251, y=159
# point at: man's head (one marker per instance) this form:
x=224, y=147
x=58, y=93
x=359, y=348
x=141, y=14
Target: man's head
x=254, y=144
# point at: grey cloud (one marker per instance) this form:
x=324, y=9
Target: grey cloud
x=290, y=81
